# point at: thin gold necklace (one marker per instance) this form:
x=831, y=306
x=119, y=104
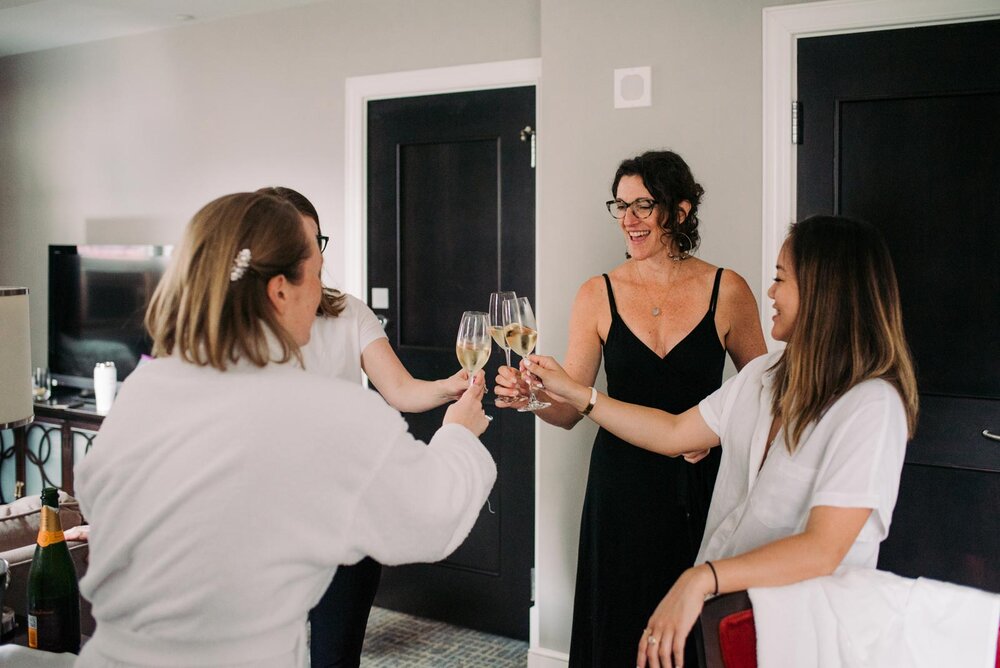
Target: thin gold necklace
x=656, y=309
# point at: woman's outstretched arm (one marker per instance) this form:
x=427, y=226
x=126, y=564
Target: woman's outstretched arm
x=400, y=389
x=647, y=428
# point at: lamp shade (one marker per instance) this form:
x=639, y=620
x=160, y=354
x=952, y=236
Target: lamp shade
x=15, y=359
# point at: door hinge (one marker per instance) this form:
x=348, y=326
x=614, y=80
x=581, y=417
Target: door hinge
x=796, y=122
x=532, y=585
x=527, y=134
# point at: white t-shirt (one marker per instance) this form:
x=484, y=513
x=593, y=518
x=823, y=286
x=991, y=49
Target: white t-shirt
x=851, y=458
x=336, y=343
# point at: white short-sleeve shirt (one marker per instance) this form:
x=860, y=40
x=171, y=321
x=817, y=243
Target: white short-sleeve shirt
x=851, y=458
x=335, y=344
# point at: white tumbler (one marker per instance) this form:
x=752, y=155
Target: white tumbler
x=105, y=385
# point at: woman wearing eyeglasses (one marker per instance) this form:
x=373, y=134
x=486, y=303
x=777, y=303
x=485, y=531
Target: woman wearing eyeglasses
x=663, y=322
x=347, y=339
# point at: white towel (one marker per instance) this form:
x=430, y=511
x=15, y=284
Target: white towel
x=864, y=618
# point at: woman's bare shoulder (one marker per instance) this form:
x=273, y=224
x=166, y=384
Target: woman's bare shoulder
x=590, y=308
x=734, y=289
x=593, y=289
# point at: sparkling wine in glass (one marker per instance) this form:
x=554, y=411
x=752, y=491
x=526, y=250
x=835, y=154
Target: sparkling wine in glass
x=497, y=323
x=521, y=334
x=473, y=343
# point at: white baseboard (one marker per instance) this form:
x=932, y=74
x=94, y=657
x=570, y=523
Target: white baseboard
x=546, y=658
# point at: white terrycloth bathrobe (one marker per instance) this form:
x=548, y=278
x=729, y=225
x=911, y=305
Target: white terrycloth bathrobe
x=222, y=502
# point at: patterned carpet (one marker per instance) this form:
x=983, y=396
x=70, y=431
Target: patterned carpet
x=395, y=639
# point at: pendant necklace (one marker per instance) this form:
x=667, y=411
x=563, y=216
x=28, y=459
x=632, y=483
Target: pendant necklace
x=656, y=309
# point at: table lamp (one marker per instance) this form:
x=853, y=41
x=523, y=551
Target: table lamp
x=16, y=408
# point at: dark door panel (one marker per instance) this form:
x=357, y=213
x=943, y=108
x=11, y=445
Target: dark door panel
x=950, y=433
x=926, y=170
x=902, y=128
x=451, y=201
x=944, y=527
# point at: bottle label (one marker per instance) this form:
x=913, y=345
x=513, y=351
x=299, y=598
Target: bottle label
x=46, y=538
x=46, y=630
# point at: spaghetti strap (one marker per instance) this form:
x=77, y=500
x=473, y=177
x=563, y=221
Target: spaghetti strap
x=611, y=296
x=715, y=291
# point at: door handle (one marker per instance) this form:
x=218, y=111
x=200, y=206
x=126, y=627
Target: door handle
x=382, y=320
x=990, y=435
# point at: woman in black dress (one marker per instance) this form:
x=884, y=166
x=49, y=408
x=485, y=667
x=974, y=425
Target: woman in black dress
x=663, y=322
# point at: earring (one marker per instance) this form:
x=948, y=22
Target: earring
x=684, y=253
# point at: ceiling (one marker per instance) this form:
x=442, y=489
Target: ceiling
x=34, y=25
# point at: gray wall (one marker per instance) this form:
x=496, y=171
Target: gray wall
x=706, y=71
x=124, y=139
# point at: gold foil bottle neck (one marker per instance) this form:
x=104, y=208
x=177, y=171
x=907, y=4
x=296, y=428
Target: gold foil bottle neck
x=50, y=528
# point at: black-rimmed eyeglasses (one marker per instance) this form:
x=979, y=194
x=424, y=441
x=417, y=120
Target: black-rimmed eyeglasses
x=641, y=207
x=322, y=241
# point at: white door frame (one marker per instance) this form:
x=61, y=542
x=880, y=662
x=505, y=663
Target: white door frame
x=782, y=27
x=358, y=92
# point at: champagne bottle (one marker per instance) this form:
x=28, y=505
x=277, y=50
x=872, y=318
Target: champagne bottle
x=53, y=591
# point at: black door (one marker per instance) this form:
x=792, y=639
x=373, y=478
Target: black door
x=451, y=202
x=902, y=128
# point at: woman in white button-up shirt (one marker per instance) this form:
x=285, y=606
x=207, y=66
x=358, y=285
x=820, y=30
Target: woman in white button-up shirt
x=813, y=437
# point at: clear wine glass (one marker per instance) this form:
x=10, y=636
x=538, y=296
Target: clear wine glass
x=497, y=324
x=521, y=333
x=473, y=343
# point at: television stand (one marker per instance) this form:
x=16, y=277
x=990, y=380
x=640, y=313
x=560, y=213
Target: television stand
x=61, y=423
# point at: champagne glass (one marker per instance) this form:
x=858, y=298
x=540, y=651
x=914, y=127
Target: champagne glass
x=41, y=384
x=473, y=343
x=497, y=324
x=521, y=333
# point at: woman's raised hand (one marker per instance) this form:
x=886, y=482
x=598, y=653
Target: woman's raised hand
x=555, y=381
x=456, y=384
x=510, y=388
x=468, y=410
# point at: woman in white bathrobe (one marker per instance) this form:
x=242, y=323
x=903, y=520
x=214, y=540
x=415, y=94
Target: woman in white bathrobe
x=813, y=437
x=226, y=486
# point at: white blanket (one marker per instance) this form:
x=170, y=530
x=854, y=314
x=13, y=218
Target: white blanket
x=862, y=618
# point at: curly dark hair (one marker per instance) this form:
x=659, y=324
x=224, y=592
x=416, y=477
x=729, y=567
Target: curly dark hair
x=669, y=180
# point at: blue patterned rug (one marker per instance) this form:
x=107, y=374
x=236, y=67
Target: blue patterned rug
x=396, y=639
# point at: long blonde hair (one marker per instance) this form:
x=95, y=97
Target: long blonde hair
x=208, y=319
x=849, y=326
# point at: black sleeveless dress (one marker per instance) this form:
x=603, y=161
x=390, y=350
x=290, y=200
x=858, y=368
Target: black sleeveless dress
x=644, y=513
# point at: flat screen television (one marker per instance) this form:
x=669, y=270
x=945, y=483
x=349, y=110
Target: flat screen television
x=97, y=301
